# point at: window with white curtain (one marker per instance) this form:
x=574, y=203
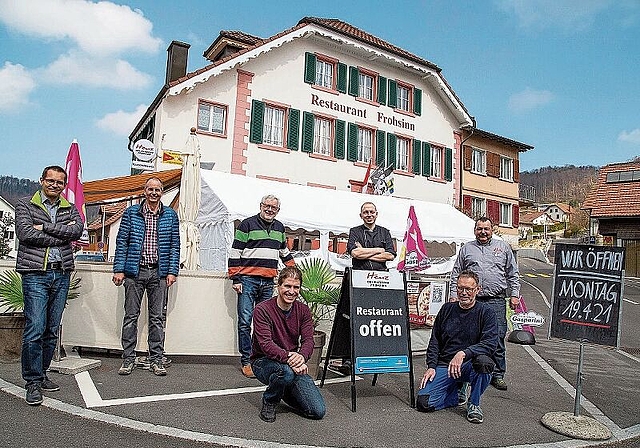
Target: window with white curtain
x=211, y=117
x=402, y=154
x=365, y=145
x=505, y=214
x=478, y=207
x=506, y=168
x=273, y=126
x=366, y=86
x=322, y=136
x=478, y=161
x=436, y=162
x=324, y=73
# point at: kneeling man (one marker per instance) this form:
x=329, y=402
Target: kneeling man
x=282, y=344
x=463, y=339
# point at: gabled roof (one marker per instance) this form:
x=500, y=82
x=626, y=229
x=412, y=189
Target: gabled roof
x=521, y=147
x=332, y=28
x=117, y=189
x=614, y=199
x=237, y=39
x=529, y=217
x=112, y=213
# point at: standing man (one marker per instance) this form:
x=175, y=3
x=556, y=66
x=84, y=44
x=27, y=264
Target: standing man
x=494, y=263
x=46, y=224
x=370, y=246
x=282, y=344
x=260, y=241
x=147, y=259
x=463, y=339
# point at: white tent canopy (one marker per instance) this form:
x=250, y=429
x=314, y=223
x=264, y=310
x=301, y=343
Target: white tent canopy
x=227, y=197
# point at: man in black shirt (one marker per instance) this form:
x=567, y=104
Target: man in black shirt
x=370, y=246
x=463, y=339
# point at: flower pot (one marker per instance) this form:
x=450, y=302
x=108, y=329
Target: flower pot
x=11, y=328
x=313, y=363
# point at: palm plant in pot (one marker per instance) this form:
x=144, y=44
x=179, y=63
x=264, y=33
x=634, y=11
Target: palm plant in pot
x=11, y=307
x=322, y=297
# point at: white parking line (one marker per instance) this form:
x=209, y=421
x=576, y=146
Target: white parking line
x=630, y=301
x=92, y=398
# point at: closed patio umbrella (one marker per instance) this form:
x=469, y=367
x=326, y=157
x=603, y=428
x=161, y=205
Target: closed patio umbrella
x=190, y=203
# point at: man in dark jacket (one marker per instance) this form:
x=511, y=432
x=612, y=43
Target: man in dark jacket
x=147, y=259
x=463, y=339
x=46, y=224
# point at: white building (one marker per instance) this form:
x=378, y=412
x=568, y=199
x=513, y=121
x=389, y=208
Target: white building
x=313, y=105
x=6, y=209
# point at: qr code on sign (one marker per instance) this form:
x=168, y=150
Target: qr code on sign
x=436, y=295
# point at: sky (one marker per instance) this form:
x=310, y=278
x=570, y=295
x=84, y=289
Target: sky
x=560, y=75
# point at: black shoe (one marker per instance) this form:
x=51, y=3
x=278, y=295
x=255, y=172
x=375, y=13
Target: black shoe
x=268, y=412
x=49, y=386
x=499, y=383
x=158, y=368
x=345, y=368
x=127, y=366
x=34, y=394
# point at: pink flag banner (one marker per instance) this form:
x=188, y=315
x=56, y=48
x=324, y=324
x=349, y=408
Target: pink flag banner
x=74, y=191
x=413, y=255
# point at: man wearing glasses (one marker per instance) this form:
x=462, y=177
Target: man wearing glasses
x=463, y=339
x=46, y=224
x=493, y=261
x=260, y=242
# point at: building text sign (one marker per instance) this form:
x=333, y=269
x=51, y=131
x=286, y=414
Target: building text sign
x=587, y=292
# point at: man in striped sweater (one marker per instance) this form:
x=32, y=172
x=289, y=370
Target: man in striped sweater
x=259, y=243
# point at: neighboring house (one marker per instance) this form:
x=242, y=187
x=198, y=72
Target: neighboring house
x=6, y=209
x=529, y=219
x=558, y=212
x=490, y=176
x=614, y=210
x=315, y=105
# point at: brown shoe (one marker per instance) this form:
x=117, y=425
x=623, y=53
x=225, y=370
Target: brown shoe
x=248, y=371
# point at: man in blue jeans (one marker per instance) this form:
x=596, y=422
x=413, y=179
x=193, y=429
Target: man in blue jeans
x=260, y=242
x=282, y=344
x=46, y=224
x=464, y=337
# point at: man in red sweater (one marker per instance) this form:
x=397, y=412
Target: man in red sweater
x=282, y=344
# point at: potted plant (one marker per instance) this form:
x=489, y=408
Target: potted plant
x=321, y=297
x=11, y=315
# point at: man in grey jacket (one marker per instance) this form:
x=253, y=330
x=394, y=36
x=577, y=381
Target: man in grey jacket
x=494, y=263
x=46, y=224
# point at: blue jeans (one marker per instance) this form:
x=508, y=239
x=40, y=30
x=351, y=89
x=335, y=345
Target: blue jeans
x=134, y=288
x=499, y=306
x=45, y=296
x=298, y=391
x=442, y=390
x=254, y=291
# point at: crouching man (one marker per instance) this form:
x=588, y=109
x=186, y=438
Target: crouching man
x=282, y=344
x=463, y=339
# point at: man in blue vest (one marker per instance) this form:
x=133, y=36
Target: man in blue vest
x=147, y=259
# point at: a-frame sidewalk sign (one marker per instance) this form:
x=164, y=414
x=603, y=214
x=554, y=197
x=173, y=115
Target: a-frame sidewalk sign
x=371, y=327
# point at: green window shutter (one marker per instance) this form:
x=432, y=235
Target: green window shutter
x=382, y=90
x=417, y=101
x=352, y=142
x=380, y=145
x=417, y=152
x=342, y=77
x=307, y=132
x=393, y=93
x=309, y=68
x=448, y=164
x=293, y=129
x=257, y=119
x=354, y=81
x=338, y=149
x=426, y=159
x=392, y=141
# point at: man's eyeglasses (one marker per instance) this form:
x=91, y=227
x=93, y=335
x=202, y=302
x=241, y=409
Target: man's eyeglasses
x=466, y=290
x=54, y=182
x=275, y=208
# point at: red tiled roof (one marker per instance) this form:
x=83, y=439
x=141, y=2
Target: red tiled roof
x=112, y=212
x=124, y=187
x=615, y=199
x=527, y=218
x=241, y=37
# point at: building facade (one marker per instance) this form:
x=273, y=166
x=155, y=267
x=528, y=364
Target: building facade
x=8, y=212
x=314, y=105
x=490, y=180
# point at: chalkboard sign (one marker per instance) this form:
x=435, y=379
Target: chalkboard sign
x=587, y=291
x=379, y=322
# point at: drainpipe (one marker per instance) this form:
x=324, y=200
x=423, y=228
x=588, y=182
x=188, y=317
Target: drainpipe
x=470, y=129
